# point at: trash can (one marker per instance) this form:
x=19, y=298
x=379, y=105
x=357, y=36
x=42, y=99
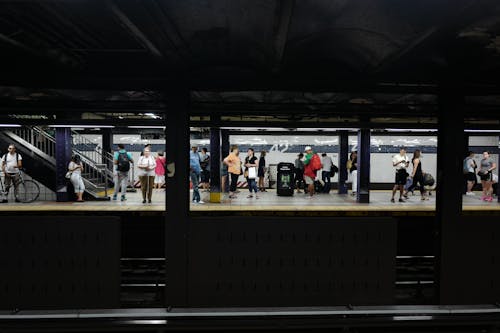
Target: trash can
x=285, y=179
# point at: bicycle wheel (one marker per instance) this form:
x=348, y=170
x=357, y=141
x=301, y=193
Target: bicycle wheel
x=28, y=191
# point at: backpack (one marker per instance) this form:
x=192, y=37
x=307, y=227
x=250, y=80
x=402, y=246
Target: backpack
x=335, y=169
x=123, y=162
x=316, y=163
x=428, y=179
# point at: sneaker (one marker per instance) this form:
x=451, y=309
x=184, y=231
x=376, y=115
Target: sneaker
x=401, y=200
x=256, y=197
x=149, y=201
x=489, y=199
x=114, y=197
x=123, y=198
x=470, y=193
x=144, y=201
x=4, y=201
x=17, y=200
x=250, y=196
x=201, y=202
x=392, y=200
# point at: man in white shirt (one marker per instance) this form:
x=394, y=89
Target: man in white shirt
x=400, y=162
x=326, y=174
x=11, y=163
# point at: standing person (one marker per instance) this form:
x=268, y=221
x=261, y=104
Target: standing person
x=205, y=169
x=234, y=168
x=224, y=174
x=299, y=171
x=11, y=163
x=352, y=166
x=312, y=164
x=121, y=160
x=469, y=168
x=161, y=163
x=262, y=171
x=400, y=162
x=326, y=174
x=251, y=165
x=417, y=175
x=76, y=168
x=146, y=165
x=194, y=173
x=486, y=174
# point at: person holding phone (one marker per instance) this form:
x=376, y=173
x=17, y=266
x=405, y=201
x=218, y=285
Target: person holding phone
x=400, y=162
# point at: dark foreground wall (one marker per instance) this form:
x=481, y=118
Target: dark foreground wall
x=59, y=262
x=258, y=261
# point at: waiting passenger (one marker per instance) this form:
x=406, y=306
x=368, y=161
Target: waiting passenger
x=194, y=173
x=312, y=164
x=485, y=173
x=75, y=168
x=299, y=172
x=161, y=163
x=205, y=169
x=251, y=166
x=400, y=162
x=121, y=160
x=262, y=171
x=469, y=169
x=11, y=163
x=326, y=174
x=233, y=163
x=223, y=174
x=417, y=175
x=352, y=166
x=146, y=165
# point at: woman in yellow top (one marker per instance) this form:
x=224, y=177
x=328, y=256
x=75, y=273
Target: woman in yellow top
x=233, y=163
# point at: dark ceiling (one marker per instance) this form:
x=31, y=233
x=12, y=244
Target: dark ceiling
x=248, y=44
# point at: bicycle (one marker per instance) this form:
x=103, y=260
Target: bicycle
x=27, y=190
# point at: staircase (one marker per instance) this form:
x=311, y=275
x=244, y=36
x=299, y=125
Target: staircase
x=38, y=147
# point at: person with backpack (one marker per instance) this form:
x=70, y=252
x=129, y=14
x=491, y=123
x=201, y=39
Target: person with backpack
x=469, y=169
x=205, y=169
x=11, y=163
x=299, y=172
x=326, y=174
x=312, y=164
x=121, y=160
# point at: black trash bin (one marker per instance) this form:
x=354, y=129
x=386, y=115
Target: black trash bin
x=285, y=181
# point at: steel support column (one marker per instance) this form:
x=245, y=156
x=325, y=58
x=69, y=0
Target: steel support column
x=215, y=159
x=107, y=144
x=449, y=169
x=63, y=156
x=177, y=203
x=343, y=156
x=363, y=190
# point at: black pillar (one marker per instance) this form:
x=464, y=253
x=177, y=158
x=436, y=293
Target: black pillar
x=177, y=152
x=363, y=190
x=215, y=158
x=107, y=144
x=343, y=156
x=224, y=152
x=63, y=156
x=449, y=169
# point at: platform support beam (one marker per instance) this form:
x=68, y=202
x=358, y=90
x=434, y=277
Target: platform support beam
x=450, y=155
x=63, y=156
x=215, y=159
x=177, y=203
x=224, y=152
x=343, y=155
x=107, y=144
x=363, y=190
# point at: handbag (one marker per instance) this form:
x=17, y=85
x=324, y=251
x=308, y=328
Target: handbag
x=68, y=174
x=252, y=172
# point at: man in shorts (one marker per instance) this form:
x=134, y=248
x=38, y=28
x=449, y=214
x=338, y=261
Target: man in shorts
x=470, y=172
x=400, y=162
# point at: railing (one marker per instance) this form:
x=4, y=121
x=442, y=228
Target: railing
x=97, y=164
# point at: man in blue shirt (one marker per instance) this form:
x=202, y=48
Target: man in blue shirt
x=121, y=161
x=194, y=173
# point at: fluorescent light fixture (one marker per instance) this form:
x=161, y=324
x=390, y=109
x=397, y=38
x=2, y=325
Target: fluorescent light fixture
x=141, y=127
x=481, y=131
x=10, y=125
x=409, y=129
x=288, y=130
x=82, y=126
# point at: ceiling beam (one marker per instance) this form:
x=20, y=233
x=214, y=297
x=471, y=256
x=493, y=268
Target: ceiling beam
x=283, y=16
x=134, y=30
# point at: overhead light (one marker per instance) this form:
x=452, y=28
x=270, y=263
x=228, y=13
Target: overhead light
x=481, y=131
x=152, y=115
x=410, y=129
x=82, y=126
x=10, y=125
x=141, y=127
